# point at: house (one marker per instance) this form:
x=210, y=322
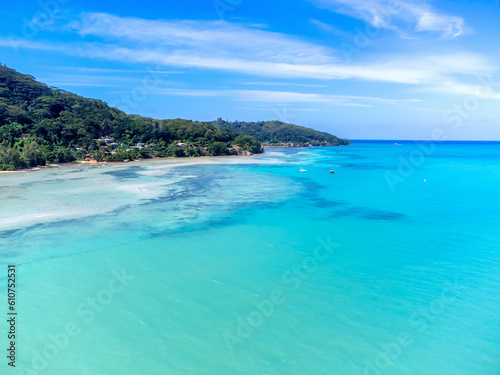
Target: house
x=181, y=144
x=140, y=145
x=110, y=143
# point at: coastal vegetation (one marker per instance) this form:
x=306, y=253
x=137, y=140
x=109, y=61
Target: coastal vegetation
x=278, y=133
x=40, y=125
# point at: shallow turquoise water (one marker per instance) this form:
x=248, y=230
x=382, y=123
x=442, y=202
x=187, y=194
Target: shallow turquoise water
x=389, y=266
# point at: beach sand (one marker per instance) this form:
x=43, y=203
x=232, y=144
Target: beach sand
x=167, y=162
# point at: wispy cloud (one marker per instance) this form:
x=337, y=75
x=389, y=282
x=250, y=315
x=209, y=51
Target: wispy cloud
x=237, y=48
x=479, y=91
x=119, y=71
x=298, y=97
x=269, y=83
x=330, y=29
x=203, y=38
x=79, y=84
x=105, y=80
x=289, y=97
x=403, y=16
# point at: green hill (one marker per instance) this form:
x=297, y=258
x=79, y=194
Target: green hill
x=40, y=125
x=277, y=132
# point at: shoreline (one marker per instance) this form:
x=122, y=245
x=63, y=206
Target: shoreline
x=269, y=146
x=176, y=161
x=181, y=160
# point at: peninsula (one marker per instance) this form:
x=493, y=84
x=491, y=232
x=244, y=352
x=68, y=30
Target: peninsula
x=41, y=125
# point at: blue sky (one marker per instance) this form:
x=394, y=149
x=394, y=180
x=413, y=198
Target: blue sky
x=380, y=69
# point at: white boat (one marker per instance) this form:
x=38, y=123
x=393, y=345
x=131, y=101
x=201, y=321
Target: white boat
x=302, y=170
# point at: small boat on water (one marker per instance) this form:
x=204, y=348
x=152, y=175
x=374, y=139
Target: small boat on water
x=332, y=171
x=302, y=170
x=397, y=144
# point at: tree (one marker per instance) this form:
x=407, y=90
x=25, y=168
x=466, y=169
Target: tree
x=11, y=159
x=99, y=155
x=248, y=143
x=33, y=155
x=217, y=149
x=176, y=151
x=193, y=151
x=10, y=132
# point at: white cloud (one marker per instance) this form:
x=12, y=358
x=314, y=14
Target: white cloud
x=16, y=43
x=409, y=70
x=68, y=80
x=78, y=84
x=223, y=46
x=330, y=29
x=448, y=25
x=288, y=97
x=402, y=16
x=120, y=71
x=480, y=91
x=203, y=38
x=269, y=83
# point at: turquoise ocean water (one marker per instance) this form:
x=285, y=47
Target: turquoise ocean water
x=391, y=265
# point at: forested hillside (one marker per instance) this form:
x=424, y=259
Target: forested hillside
x=277, y=132
x=40, y=125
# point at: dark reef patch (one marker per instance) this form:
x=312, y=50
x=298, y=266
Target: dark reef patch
x=383, y=215
x=125, y=174
x=365, y=213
